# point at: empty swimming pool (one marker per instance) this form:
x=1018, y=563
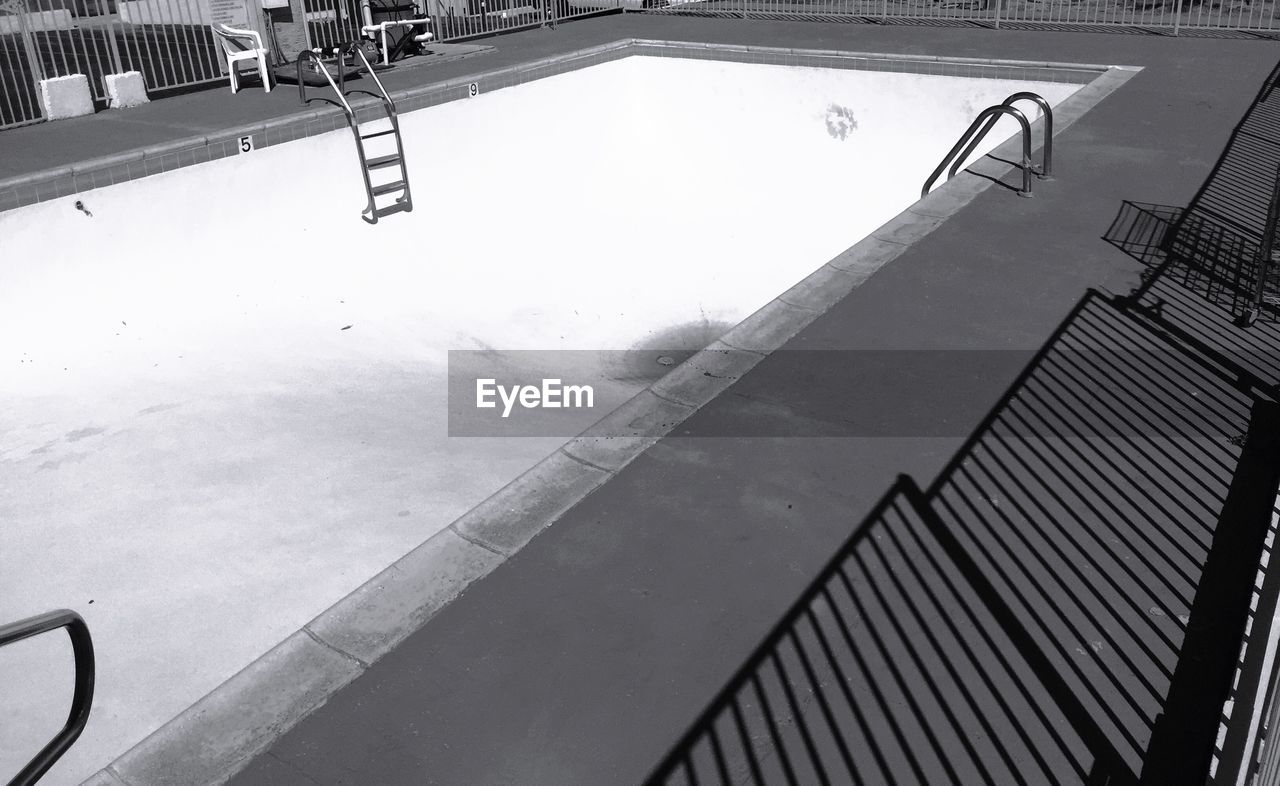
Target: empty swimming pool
x=225, y=404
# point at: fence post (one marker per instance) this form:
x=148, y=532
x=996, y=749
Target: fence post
x=29, y=43
x=113, y=49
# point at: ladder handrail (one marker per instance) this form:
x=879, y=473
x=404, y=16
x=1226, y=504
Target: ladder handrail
x=306, y=55
x=1046, y=153
x=353, y=47
x=972, y=133
x=82, y=693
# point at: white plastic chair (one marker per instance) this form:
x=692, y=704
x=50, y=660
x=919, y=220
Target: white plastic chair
x=239, y=46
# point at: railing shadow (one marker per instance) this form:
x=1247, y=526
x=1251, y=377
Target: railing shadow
x=1211, y=246
x=1067, y=601
x=1024, y=618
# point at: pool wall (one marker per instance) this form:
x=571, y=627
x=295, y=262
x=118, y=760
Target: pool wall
x=109, y=170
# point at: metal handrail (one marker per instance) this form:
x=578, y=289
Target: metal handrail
x=353, y=47
x=82, y=696
x=972, y=133
x=308, y=55
x=1044, y=172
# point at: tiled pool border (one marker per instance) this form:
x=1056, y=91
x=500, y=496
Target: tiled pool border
x=94, y=173
x=216, y=737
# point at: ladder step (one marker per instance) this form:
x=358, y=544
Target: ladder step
x=382, y=161
x=395, y=207
x=387, y=188
x=378, y=133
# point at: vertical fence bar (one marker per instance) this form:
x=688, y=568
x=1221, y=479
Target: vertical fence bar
x=170, y=22
x=23, y=105
x=29, y=44
x=52, y=42
x=184, y=70
x=109, y=33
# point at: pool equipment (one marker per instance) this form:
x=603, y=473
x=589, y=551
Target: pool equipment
x=400, y=29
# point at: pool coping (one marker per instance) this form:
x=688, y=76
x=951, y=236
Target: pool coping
x=218, y=735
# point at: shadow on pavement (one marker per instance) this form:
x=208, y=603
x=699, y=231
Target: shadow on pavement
x=1067, y=602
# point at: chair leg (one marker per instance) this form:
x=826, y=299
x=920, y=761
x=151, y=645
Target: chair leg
x=262, y=69
x=235, y=77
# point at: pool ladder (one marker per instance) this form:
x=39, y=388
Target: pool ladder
x=982, y=125
x=404, y=202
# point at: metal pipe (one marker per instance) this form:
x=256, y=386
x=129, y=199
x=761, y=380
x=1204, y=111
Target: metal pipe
x=82, y=694
x=986, y=114
x=381, y=27
x=1045, y=171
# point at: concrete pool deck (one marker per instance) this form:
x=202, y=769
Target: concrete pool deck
x=701, y=548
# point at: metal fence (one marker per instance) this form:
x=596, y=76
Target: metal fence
x=1172, y=16
x=170, y=43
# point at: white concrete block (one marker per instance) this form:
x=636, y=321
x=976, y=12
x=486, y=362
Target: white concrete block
x=125, y=90
x=66, y=96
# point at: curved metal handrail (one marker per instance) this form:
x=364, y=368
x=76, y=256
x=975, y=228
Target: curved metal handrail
x=353, y=47
x=973, y=136
x=307, y=55
x=82, y=696
x=1045, y=170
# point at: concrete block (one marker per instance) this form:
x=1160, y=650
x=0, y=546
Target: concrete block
x=608, y=453
x=644, y=415
x=867, y=256
x=822, y=289
x=906, y=227
x=125, y=90
x=216, y=736
x=769, y=328
x=529, y=504
x=370, y=621
x=706, y=375
x=66, y=96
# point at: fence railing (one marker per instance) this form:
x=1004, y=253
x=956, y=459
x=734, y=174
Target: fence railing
x=170, y=43
x=167, y=41
x=1174, y=16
